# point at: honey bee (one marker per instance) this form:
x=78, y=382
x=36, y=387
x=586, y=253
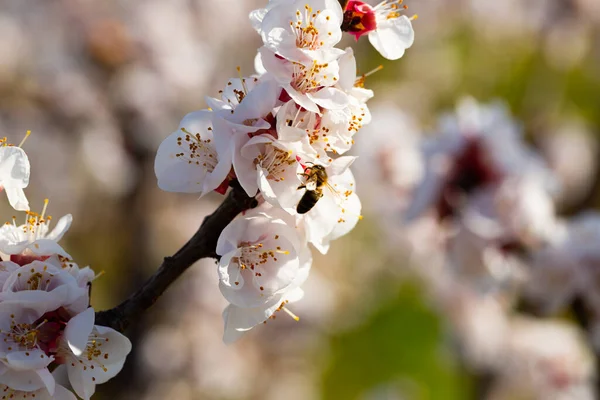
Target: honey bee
x=316, y=179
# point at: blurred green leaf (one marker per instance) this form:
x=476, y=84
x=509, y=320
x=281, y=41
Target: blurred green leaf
x=398, y=347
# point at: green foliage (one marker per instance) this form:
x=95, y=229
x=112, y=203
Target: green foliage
x=397, y=348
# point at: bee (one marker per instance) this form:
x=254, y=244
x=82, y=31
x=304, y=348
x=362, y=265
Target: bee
x=316, y=179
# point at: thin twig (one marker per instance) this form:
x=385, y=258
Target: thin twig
x=202, y=245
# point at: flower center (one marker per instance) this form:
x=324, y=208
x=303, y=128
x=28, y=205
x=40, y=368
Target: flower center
x=471, y=169
x=275, y=161
x=36, y=225
x=359, y=18
x=25, y=336
x=307, y=35
x=4, y=140
x=253, y=255
x=306, y=79
x=197, y=150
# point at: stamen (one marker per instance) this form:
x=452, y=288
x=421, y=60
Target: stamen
x=98, y=275
x=291, y=314
x=25, y=138
x=371, y=72
x=239, y=71
x=46, y=201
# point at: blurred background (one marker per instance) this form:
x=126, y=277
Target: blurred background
x=101, y=84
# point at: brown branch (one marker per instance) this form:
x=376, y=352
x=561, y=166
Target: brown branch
x=202, y=245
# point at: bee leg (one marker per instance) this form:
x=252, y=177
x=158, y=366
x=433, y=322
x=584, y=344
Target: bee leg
x=301, y=187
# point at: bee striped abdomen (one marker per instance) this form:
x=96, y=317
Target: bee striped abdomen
x=308, y=201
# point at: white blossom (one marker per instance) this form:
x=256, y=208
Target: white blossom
x=294, y=30
x=259, y=258
x=194, y=159
x=239, y=320
x=266, y=164
x=246, y=104
x=308, y=83
x=43, y=286
x=389, y=31
x=34, y=238
x=93, y=354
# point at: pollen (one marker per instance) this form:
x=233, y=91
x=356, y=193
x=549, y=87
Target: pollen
x=197, y=150
x=276, y=162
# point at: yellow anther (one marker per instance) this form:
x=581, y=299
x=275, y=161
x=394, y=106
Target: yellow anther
x=25, y=138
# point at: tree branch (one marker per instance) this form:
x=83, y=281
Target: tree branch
x=202, y=245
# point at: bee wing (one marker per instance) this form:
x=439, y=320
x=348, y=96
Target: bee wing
x=336, y=194
x=311, y=185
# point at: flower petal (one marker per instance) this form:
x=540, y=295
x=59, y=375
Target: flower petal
x=78, y=331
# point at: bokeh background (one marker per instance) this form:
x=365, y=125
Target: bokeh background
x=100, y=84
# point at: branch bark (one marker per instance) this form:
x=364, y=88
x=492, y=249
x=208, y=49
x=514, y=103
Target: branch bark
x=202, y=245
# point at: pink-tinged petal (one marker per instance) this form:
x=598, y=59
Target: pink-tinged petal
x=78, y=331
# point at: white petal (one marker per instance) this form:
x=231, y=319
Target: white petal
x=17, y=198
x=61, y=393
x=302, y=100
x=83, y=387
x=14, y=167
x=175, y=174
x=347, y=64
x=44, y=247
x=28, y=360
x=239, y=320
x=392, y=39
x=330, y=98
x=30, y=380
x=258, y=102
x=78, y=331
x=61, y=227
x=340, y=165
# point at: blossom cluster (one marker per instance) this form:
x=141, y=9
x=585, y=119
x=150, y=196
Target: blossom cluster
x=476, y=207
x=48, y=340
x=281, y=134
